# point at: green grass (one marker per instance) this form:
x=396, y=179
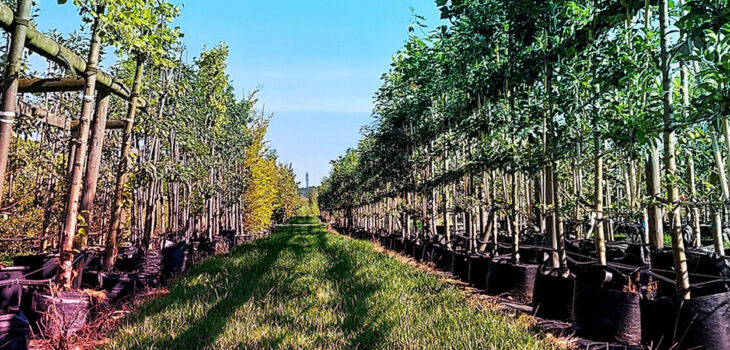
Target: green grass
x=305, y=288
x=304, y=220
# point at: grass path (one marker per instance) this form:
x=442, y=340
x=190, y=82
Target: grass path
x=303, y=287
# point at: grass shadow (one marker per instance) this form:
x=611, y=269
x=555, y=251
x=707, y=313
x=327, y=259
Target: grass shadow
x=344, y=269
x=246, y=285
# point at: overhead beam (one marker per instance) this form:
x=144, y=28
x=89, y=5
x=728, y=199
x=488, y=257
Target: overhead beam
x=35, y=85
x=50, y=49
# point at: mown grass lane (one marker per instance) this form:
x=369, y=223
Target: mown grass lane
x=303, y=287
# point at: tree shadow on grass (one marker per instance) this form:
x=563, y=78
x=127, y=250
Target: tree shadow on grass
x=247, y=285
x=354, y=296
x=252, y=282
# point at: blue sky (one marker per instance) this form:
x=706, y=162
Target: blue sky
x=317, y=62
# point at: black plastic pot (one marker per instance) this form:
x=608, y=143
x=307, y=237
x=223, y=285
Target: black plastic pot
x=552, y=297
x=43, y=266
x=460, y=265
x=10, y=295
x=119, y=287
x=14, y=332
x=605, y=314
x=504, y=277
x=61, y=313
x=478, y=269
x=697, y=323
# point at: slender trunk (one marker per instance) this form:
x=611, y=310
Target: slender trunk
x=92, y=169
x=65, y=274
x=551, y=226
x=110, y=255
x=598, y=199
x=10, y=88
x=680, y=259
x=656, y=228
x=695, y=212
x=578, y=187
x=562, y=256
x=515, y=224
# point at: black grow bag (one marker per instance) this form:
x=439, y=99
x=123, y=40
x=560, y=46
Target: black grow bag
x=605, y=314
x=697, y=323
x=388, y=242
x=532, y=255
x=478, y=269
x=408, y=247
x=175, y=258
x=42, y=266
x=152, y=267
x=91, y=279
x=14, y=332
x=10, y=294
x=441, y=257
x=460, y=265
x=65, y=312
x=417, y=252
x=504, y=277
x=552, y=297
x=119, y=287
x=93, y=260
x=398, y=244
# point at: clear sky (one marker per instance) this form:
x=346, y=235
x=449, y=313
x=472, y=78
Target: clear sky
x=318, y=62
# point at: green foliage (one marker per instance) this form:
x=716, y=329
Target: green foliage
x=140, y=28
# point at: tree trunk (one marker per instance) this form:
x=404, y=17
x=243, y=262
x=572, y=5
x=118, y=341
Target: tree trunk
x=598, y=205
x=695, y=212
x=65, y=275
x=10, y=88
x=680, y=259
x=110, y=255
x=92, y=169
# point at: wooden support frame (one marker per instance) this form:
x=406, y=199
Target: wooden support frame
x=51, y=50
x=39, y=85
x=62, y=122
